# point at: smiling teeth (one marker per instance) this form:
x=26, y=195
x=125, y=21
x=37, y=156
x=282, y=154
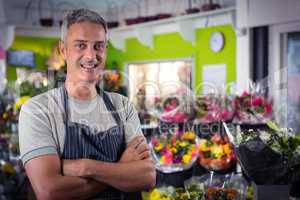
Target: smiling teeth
x=88, y=66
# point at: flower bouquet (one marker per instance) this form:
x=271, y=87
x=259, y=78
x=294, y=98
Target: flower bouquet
x=211, y=109
x=192, y=192
x=252, y=108
x=174, y=107
x=216, y=153
x=206, y=187
x=221, y=187
x=174, y=152
x=270, y=156
x=172, y=112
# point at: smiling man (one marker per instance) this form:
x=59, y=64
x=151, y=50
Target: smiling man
x=77, y=141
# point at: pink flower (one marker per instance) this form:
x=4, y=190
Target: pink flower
x=245, y=94
x=168, y=108
x=268, y=109
x=156, y=99
x=179, y=117
x=174, y=103
x=257, y=101
x=225, y=114
x=154, y=141
x=208, y=118
x=194, y=154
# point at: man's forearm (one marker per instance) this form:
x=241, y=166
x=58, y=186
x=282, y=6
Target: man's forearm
x=127, y=177
x=65, y=187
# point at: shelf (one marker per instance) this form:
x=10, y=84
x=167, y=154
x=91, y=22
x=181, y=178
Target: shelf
x=38, y=31
x=185, y=25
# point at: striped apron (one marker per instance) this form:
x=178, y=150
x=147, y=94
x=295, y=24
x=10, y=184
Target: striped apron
x=106, y=146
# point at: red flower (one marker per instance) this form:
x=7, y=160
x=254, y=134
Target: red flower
x=245, y=94
x=174, y=103
x=258, y=101
x=268, y=108
x=225, y=114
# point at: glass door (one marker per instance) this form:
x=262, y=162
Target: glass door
x=292, y=58
x=284, y=76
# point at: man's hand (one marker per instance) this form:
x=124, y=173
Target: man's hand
x=137, y=149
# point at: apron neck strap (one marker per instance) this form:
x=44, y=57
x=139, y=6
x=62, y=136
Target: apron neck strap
x=109, y=105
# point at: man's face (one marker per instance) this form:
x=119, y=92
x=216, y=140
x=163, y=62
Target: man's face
x=84, y=51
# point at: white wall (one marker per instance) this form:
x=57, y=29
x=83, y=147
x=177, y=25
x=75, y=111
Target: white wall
x=243, y=59
x=253, y=13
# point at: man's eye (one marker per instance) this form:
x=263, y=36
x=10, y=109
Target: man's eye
x=99, y=46
x=80, y=46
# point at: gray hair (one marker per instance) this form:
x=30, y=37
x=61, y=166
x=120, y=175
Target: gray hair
x=81, y=15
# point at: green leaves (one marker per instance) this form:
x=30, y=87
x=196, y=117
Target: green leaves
x=273, y=126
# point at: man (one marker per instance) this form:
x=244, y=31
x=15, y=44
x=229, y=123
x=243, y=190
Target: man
x=76, y=141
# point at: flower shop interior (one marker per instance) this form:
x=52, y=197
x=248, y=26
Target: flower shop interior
x=214, y=83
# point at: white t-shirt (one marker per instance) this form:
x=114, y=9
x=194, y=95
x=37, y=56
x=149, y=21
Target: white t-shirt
x=41, y=120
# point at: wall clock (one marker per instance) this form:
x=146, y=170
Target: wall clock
x=216, y=41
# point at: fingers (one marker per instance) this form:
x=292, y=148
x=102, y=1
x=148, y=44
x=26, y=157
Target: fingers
x=144, y=151
x=145, y=155
x=143, y=147
x=137, y=149
x=135, y=142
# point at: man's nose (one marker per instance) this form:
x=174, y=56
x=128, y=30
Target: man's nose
x=90, y=53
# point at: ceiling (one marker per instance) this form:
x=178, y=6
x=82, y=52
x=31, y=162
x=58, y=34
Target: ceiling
x=28, y=12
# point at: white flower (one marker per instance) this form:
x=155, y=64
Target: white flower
x=265, y=136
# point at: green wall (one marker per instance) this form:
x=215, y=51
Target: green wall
x=172, y=46
x=166, y=46
x=42, y=48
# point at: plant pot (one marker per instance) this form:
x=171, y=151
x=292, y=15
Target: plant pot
x=46, y=22
x=141, y=20
x=131, y=21
x=163, y=16
x=192, y=10
x=112, y=24
x=207, y=7
x=151, y=18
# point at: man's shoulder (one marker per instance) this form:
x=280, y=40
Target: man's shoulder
x=43, y=101
x=117, y=98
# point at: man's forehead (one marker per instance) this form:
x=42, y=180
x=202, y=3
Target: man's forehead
x=86, y=31
x=87, y=41
x=86, y=23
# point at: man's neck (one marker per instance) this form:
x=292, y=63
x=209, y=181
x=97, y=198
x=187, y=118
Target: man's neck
x=81, y=90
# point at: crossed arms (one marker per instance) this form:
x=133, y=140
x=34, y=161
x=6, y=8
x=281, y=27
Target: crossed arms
x=85, y=178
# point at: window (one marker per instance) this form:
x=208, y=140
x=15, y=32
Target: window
x=151, y=80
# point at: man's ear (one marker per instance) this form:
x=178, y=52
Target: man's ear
x=62, y=49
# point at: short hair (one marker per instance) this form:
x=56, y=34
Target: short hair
x=81, y=15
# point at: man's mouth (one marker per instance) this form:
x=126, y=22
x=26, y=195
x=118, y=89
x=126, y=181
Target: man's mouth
x=88, y=66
